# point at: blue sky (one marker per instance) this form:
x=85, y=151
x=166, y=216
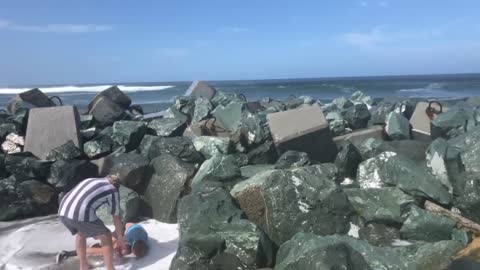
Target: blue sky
x=87, y=41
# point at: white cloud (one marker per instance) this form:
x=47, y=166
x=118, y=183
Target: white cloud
x=56, y=28
x=383, y=4
x=380, y=36
x=370, y=39
x=173, y=52
x=235, y=29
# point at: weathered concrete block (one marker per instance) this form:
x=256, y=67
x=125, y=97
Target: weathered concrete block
x=359, y=136
x=201, y=89
x=49, y=128
x=305, y=130
x=30, y=98
x=421, y=123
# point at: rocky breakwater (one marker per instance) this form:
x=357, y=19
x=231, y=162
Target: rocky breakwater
x=293, y=184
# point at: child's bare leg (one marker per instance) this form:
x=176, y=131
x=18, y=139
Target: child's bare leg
x=94, y=251
x=107, y=249
x=81, y=244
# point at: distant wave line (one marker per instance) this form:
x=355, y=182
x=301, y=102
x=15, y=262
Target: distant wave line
x=94, y=88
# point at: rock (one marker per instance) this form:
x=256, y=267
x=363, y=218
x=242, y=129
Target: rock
x=13, y=144
x=380, y=113
x=185, y=105
x=360, y=97
x=86, y=121
x=133, y=170
x=338, y=127
x=451, y=123
x=26, y=166
x=203, y=107
x=361, y=255
x=129, y=133
x=293, y=159
x=254, y=128
x=66, y=151
x=347, y=161
x=169, y=183
x=176, y=114
x=342, y=103
x=293, y=103
x=313, y=199
x=213, y=234
x=20, y=118
x=305, y=130
x=273, y=106
x=88, y=134
x=129, y=207
x=263, y=154
x=424, y=226
x=388, y=205
x=98, y=148
x=177, y=146
x=217, y=168
x=468, y=197
x=251, y=170
x=358, y=116
x=391, y=169
x=201, y=89
x=65, y=174
x=241, y=158
x=379, y=234
x=145, y=144
x=63, y=126
x=397, y=127
x=106, y=112
x=29, y=99
x=26, y=199
x=436, y=156
x=167, y=127
x=229, y=116
x=8, y=128
x=3, y=171
x=254, y=106
x=210, y=146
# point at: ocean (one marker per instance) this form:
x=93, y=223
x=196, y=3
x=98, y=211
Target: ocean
x=155, y=96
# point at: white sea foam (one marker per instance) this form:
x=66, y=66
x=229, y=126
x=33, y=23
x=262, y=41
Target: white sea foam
x=93, y=88
x=431, y=90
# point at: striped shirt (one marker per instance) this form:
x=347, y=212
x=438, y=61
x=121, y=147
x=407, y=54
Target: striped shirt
x=83, y=200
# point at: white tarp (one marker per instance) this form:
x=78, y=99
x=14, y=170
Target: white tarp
x=34, y=243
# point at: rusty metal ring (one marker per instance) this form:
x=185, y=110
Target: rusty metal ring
x=431, y=112
x=244, y=97
x=57, y=98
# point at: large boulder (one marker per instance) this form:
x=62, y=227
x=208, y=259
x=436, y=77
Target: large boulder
x=380, y=113
x=132, y=169
x=115, y=95
x=389, y=205
x=391, y=169
x=129, y=207
x=424, y=226
x=210, y=146
x=66, y=151
x=397, y=126
x=347, y=160
x=129, y=133
x=178, y=146
x=360, y=97
x=452, y=123
x=251, y=170
x=217, y=168
x=166, y=127
x=25, y=199
x=263, y=154
x=340, y=252
x=358, y=116
x=229, y=116
x=169, y=183
x=379, y=234
x=26, y=166
x=65, y=174
x=203, y=107
x=342, y=103
x=284, y=202
x=293, y=159
x=213, y=234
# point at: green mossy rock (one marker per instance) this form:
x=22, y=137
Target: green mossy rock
x=397, y=126
x=347, y=161
x=210, y=146
x=217, y=168
x=178, y=146
x=229, y=116
x=166, y=127
x=27, y=166
x=424, y=226
x=293, y=159
x=203, y=107
x=67, y=151
x=129, y=133
x=129, y=207
x=65, y=174
x=357, y=116
x=251, y=170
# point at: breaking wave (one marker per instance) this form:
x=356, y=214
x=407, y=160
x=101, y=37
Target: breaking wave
x=93, y=88
x=431, y=90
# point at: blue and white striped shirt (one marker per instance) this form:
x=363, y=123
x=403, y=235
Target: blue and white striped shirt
x=83, y=200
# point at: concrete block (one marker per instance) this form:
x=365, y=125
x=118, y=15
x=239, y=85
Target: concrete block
x=201, y=89
x=304, y=129
x=421, y=123
x=34, y=98
x=105, y=111
x=49, y=128
x=359, y=136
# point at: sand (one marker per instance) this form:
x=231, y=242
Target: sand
x=33, y=244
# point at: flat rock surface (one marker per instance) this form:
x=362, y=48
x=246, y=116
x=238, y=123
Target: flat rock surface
x=34, y=243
